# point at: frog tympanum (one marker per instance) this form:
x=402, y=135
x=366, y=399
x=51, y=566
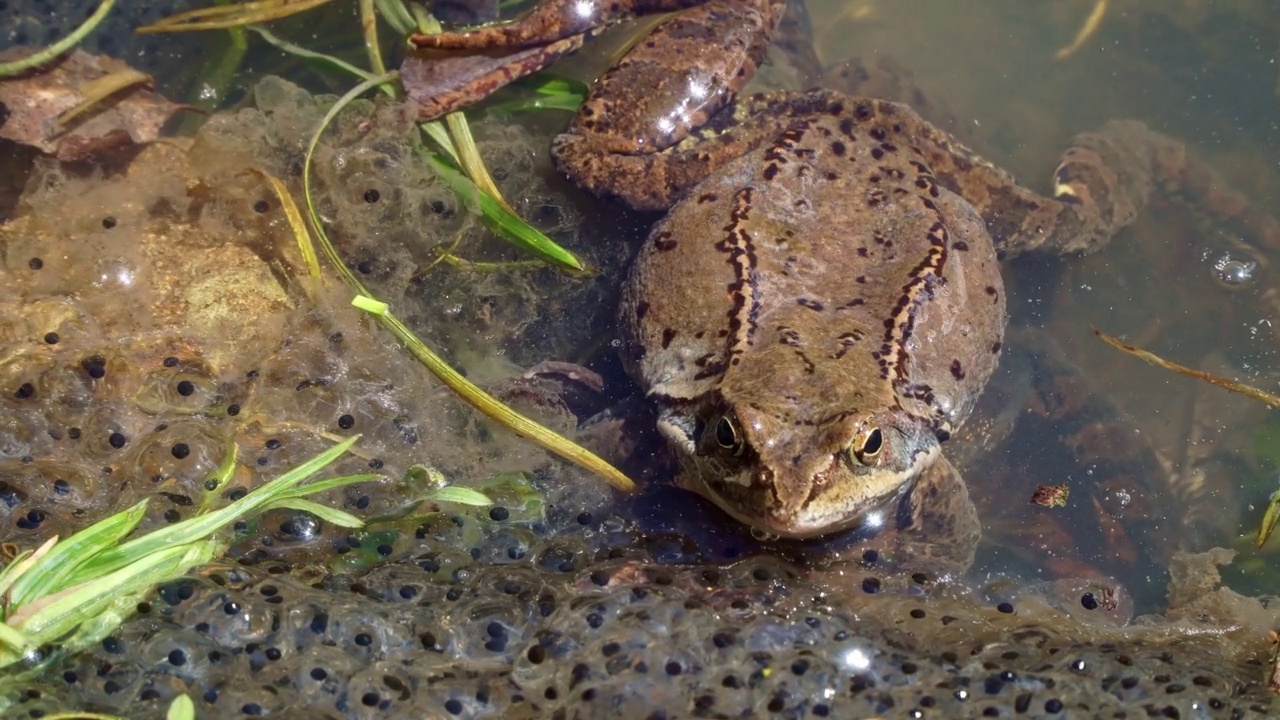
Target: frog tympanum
x=822, y=303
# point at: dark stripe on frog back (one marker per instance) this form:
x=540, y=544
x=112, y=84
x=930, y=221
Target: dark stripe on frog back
x=918, y=289
x=744, y=290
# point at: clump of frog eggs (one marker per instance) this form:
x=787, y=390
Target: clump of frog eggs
x=583, y=621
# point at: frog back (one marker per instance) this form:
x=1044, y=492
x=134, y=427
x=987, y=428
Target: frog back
x=823, y=273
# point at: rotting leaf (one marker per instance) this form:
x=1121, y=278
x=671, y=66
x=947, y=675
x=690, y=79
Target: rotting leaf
x=102, y=89
x=35, y=102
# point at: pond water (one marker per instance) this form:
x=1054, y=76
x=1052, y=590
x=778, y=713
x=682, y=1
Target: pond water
x=183, y=325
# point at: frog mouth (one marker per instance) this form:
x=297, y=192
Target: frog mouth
x=836, y=501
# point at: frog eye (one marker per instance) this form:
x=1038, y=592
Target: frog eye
x=866, y=445
x=728, y=435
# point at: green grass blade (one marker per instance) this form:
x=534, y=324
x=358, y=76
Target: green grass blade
x=467, y=390
x=1269, y=519
x=320, y=486
x=394, y=12
x=546, y=83
x=330, y=515
x=88, y=600
x=437, y=132
x=52, y=573
x=230, y=15
x=197, y=527
x=299, y=51
x=181, y=709
x=219, y=476
x=461, y=496
x=565, y=103
x=14, y=642
x=20, y=564
x=506, y=223
x=49, y=53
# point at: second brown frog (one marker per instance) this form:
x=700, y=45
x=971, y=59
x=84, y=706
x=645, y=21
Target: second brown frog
x=822, y=304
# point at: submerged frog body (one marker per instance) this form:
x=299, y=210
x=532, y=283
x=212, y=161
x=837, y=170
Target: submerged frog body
x=828, y=312
x=822, y=304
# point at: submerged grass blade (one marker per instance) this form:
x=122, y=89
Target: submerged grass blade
x=461, y=496
x=305, y=54
x=1269, y=520
x=222, y=17
x=488, y=202
x=504, y=415
x=330, y=515
x=14, y=642
x=467, y=390
x=43, y=56
x=20, y=564
x=1232, y=385
x=546, y=83
x=1271, y=516
x=394, y=12
x=220, y=476
x=564, y=103
x=369, y=28
x=469, y=158
x=503, y=221
x=296, y=224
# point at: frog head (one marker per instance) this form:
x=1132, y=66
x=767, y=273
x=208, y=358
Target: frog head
x=799, y=476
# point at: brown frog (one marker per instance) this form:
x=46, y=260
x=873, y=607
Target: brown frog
x=822, y=304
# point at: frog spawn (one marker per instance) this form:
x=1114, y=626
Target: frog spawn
x=566, y=630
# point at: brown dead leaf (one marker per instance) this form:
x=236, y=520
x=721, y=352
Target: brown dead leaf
x=33, y=102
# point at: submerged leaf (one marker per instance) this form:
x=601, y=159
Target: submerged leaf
x=461, y=496
x=181, y=709
x=36, y=102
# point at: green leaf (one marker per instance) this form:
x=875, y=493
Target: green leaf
x=220, y=476
x=14, y=641
x=200, y=526
x=53, y=572
x=1269, y=520
x=506, y=223
x=330, y=515
x=566, y=103
x=320, y=486
x=1266, y=445
x=461, y=496
x=551, y=84
x=369, y=305
x=87, y=600
x=181, y=709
